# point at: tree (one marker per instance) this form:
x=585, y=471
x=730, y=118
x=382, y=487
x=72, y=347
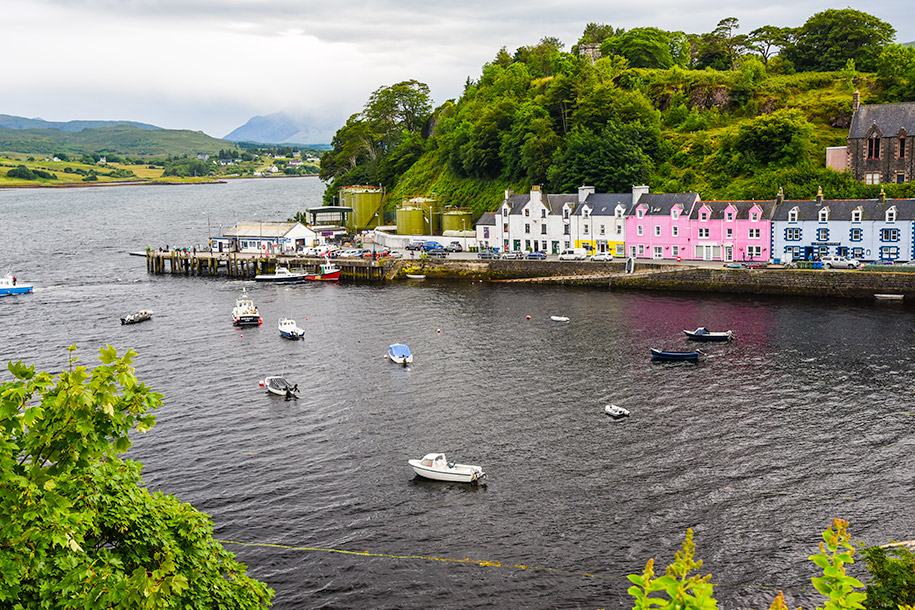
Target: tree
x=81, y=531
x=596, y=33
x=896, y=72
x=609, y=159
x=643, y=47
x=829, y=39
x=767, y=39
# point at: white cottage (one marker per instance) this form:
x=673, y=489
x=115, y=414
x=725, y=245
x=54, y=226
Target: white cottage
x=267, y=237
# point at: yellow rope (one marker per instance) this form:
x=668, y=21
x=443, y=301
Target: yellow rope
x=467, y=560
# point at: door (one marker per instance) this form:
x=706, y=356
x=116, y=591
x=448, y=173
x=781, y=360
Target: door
x=729, y=253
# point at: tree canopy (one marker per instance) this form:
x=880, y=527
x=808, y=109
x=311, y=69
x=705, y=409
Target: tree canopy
x=830, y=38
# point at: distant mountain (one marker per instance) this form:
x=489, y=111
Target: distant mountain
x=18, y=122
x=126, y=140
x=286, y=128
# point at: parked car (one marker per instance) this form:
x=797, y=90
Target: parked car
x=512, y=255
x=439, y=253
x=428, y=246
x=454, y=246
x=415, y=245
x=840, y=262
x=573, y=254
x=375, y=253
x=536, y=256
x=394, y=254
x=487, y=254
x=602, y=257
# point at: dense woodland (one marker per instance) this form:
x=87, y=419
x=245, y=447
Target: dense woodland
x=724, y=114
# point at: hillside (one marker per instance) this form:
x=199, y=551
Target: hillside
x=18, y=122
x=124, y=140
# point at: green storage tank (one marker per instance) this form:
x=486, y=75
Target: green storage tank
x=410, y=220
x=433, y=219
x=366, y=202
x=457, y=219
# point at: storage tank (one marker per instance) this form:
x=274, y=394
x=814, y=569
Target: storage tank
x=366, y=202
x=410, y=220
x=457, y=219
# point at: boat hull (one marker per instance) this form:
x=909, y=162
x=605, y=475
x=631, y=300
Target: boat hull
x=717, y=336
x=136, y=318
x=7, y=292
x=460, y=473
x=322, y=277
x=248, y=320
x=657, y=354
x=279, y=280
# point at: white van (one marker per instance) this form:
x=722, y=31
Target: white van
x=573, y=254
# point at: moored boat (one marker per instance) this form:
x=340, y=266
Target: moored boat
x=704, y=334
x=137, y=317
x=245, y=311
x=660, y=354
x=400, y=354
x=281, y=275
x=416, y=276
x=435, y=466
x=10, y=285
x=289, y=329
x=277, y=384
x=559, y=318
x=616, y=412
x=889, y=297
x=327, y=271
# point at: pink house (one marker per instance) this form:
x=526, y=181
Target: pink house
x=731, y=231
x=657, y=225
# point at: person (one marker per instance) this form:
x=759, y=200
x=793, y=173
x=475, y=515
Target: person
x=14, y=280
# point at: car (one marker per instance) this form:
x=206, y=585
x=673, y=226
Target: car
x=840, y=262
x=394, y=254
x=415, y=245
x=454, y=246
x=602, y=257
x=572, y=254
x=536, y=256
x=487, y=254
x=511, y=255
x=428, y=246
x=375, y=253
x=440, y=253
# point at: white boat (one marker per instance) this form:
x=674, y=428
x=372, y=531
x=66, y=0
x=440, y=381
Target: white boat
x=889, y=297
x=278, y=385
x=289, y=329
x=10, y=285
x=400, y=354
x=416, y=276
x=435, y=466
x=139, y=316
x=559, y=319
x=282, y=275
x=616, y=412
x=245, y=311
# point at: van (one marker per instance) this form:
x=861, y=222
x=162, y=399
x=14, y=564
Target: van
x=573, y=254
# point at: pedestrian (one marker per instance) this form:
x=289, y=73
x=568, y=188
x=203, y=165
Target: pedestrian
x=14, y=280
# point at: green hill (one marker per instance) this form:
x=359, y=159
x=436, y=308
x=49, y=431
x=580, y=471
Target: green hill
x=125, y=140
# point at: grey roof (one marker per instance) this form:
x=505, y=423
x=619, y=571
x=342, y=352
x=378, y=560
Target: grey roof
x=604, y=204
x=556, y=202
x=889, y=118
x=487, y=218
x=517, y=202
x=718, y=209
x=662, y=203
x=841, y=209
x=553, y=202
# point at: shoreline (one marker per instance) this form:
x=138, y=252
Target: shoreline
x=153, y=182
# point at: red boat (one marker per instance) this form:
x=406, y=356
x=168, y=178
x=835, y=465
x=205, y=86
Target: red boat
x=327, y=271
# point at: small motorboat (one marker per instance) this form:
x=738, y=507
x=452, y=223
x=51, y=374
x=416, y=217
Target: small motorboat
x=616, y=412
x=704, y=334
x=416, y=276
x=10, y=285
x=282, y=275
x=889, y=297
x=245, y=311
x=559, y=318
x=435, y=466
x=137, y=317
x=400, y=354
x=327, y=271
x=290, y=330
x=660, y=354
x=278, y=385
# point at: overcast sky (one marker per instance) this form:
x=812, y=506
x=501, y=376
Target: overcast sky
x=210, y=65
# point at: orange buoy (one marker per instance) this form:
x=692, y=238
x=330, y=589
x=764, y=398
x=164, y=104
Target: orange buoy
x=527, y=317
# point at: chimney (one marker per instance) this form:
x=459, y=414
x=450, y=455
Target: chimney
x=583, y=192
x=637, y=192
x=855, y=101
x=780, y=197
x=819, y=194
x=536, y=194
x=508, y=193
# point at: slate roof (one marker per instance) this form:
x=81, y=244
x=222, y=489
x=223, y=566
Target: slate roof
x=890, y=118
x=556, y=202
x=604, y=204
x=553, y=202
x=660, y=204
x=487, y=218
x=718, y=209
x=841, y=209
x=260, y=229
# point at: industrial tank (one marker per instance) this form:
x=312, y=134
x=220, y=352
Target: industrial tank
x=366, y=202
x=410, y=220
x=456, y=219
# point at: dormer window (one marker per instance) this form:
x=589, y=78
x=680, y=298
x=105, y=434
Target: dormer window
x=527, y=212
x=754, y=216
x=565, y=213
x=824, y=214
x=703, y=216
x=505, y=211
x=792, y=215
x=729, y=215
x=873, y=147
x=619, y=212
x=891, y=214
x=586, y=213
x=640, y=213
x=542, y=213
x=856, y=215
x=675, y=213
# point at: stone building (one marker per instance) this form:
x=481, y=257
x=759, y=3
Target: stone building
x=880, y=142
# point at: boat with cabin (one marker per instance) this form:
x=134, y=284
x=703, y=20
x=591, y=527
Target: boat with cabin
x=10, y=285
x=281, y=275
x=435, y=466
x=327, y=271
x=277, y=384
x=245, y=311
x=290, y=330
x=139, y=316
x=704, y=334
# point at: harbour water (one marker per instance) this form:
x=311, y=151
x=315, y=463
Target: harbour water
x=807, y=415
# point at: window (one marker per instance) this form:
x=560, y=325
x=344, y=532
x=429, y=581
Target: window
x=891, y=214
x=542, y=213
x=753, y=234
x=729, y=233
x=754, y=216
x=527, y=227
x=486, y=232
x=586, y=229
x=856, y=234
x=639, y=230
x=900, y=178
x=658, y=252
x=890, y=252
x=754, y=251
x=619, y=212
x=657, y=230
x=639, y=213
x=703, y=233
x=527, y=212
x=565, y=230
x=901, y=150
x=603, y=230
x=565, y=213
x=889, y=235
x=873, y=147
x=857, y=253
x=793, y=234
x=675, y=231
x=792, y=215
x=872, y=178
x=632, y=251
x=505, y=228
x=505, y=211
x=856, y=215
x=824, y=214
x=675, y=213
x=729, y=216
x=641, y=250
x=822, y=234
x=619, y=229
x=543, y=229
x=675, y=250
x=703, y=216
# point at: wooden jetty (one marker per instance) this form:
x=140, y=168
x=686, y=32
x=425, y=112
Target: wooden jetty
x=243, y=265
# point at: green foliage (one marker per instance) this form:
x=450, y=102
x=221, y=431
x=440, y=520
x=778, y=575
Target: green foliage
x=610, y=160
x=835, y=552
x=642, y=47
x=896, y=72
x=187, y=167
x=682, y=590
x=79, y=530
x=830, y=38
x=24, y=173
x=892, y=575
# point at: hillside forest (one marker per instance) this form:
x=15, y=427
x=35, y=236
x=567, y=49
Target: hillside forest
x=725, y=114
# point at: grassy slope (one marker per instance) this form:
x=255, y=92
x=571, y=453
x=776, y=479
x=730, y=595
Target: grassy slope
x=122, y=140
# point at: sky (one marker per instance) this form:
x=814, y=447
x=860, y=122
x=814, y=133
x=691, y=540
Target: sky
x=210, y=65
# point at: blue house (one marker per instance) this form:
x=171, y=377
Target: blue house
x=865, y=229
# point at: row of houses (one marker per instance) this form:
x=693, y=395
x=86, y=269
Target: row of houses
x=681, y=226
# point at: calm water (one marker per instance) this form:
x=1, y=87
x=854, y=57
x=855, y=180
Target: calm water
x=807, y=416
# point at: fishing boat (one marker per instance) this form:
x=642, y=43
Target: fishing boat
x=400, y=354
x=660, y=354
x=9, y=286
x=282, y=275
x=137, y=317
x=277, y=384
x=435, y=466
x=245, y=311
x=289, y=330
x=327, y=271
x=616, y=412
x=704, y=334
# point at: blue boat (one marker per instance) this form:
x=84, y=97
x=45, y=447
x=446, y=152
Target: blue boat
x=400, y=354
x=9, y=285
x=659, y=354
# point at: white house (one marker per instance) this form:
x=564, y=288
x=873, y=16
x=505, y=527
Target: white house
x=532, y=222
x=267, y=237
